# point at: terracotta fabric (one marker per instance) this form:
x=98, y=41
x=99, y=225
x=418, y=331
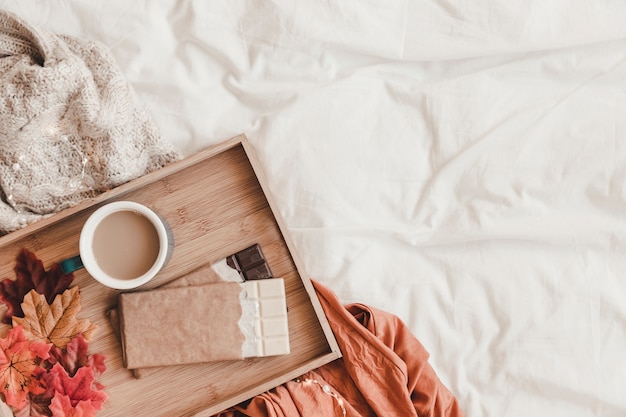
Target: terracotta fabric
x=384, y=371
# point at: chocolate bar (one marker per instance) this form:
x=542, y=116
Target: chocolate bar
x=264, y=321
x=203, y=323
x=250, y=263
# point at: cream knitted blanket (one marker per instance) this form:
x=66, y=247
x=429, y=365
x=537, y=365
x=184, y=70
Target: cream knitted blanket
x=70, y=124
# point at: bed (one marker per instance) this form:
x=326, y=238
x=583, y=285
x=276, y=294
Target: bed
x=461, y=165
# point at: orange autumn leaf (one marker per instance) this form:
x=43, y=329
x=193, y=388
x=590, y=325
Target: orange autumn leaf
x=54, y=323
x=19, y=367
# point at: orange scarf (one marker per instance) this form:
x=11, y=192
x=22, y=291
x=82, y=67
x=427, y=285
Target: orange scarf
x=384, y=371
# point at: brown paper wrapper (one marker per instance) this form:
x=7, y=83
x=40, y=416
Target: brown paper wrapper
x=201, y=276
x=174, y=326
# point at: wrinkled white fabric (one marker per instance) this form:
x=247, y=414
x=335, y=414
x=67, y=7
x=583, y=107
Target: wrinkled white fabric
x=459, y=164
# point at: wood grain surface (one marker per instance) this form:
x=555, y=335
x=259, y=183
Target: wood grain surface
x=216, y=203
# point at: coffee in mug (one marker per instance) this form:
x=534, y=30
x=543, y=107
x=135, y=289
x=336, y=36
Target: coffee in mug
x=123, y=245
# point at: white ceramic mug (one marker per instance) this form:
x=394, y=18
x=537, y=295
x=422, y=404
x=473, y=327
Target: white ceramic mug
x=123, y=245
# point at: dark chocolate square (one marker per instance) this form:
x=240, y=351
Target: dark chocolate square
x=250, y=263
x=261, y=271
x=250, y=257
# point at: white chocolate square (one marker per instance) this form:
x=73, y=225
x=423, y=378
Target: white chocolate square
x=270, y=288
x=273, y=346
x=272, y=307
x=271, y=326
x=274, y=326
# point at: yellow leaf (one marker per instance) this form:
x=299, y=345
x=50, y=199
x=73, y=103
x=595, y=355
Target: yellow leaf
x=54, y=323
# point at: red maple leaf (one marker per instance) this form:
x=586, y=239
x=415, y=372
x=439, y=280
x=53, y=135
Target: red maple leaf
x=30, y=274
x=71, y=358
x=61, y=406
x=75, y=356
x=80, y=387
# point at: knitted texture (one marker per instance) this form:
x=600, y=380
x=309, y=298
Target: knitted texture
x=71, y=126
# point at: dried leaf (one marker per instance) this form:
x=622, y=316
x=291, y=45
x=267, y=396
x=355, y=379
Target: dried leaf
x=54, y=323
x=4, y=329
x=19, y=367
x=81, y=387
x=62, y=407
x=36, y=406
x=75, y=356
x=30, y=274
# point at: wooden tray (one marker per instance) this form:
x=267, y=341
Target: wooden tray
x=216, y=203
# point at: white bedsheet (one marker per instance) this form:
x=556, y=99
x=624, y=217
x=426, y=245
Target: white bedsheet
x=460, y=164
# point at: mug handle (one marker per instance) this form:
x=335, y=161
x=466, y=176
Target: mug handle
x=71, y=265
